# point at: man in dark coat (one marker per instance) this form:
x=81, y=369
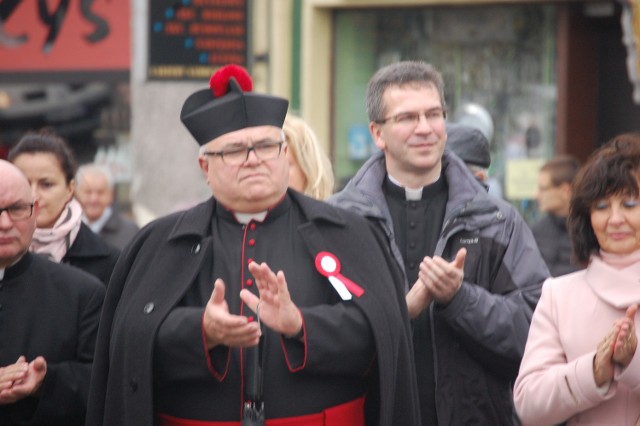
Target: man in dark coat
x=553, y=197
x=260, y=303
x=471, y=270
x=48, y=320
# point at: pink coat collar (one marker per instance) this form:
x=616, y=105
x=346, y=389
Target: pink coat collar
x=615, y=279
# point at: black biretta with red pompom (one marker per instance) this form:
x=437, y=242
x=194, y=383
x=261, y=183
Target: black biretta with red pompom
x=229, y=105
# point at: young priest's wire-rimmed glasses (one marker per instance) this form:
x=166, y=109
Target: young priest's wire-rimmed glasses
x=18, y=212
x=412, y=118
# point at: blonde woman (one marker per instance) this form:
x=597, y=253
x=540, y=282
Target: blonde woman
x=310, y=170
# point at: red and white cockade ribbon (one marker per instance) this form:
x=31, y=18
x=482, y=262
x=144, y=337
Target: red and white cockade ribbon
x=329, y=266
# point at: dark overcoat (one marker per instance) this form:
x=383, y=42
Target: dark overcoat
x=122, y=382
x=50, y=310
x=92, y=254
x=118, y=230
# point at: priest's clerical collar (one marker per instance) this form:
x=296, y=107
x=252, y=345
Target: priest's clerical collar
x=263, y=216
x=413, y=194
x=245, y=218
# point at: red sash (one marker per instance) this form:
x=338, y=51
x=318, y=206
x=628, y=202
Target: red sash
x=347, y=414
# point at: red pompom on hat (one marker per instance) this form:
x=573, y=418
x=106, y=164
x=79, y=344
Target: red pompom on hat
x=229, y=105
x=219, y=81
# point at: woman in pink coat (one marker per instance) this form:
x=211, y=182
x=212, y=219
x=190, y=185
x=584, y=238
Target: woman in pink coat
x=580, y=362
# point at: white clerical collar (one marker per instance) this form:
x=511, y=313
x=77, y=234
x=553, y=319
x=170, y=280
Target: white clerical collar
x=411, y=194
x=245, y=218
x=100, y=222
x=1, y=273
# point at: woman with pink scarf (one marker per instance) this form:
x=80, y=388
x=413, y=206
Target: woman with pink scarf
x=580, y=363
x=50, y=166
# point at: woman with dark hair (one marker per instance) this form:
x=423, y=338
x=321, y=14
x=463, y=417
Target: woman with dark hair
x=579, y=363
x=50, y=166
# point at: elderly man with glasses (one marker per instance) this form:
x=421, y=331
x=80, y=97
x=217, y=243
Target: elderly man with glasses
x=49, y=315
x=258, y=306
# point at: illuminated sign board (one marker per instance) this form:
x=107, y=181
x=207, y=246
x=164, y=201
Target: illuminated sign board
x=189, y=39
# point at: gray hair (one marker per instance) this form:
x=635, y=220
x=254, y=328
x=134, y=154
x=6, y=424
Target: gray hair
x=403, y=73
x=95, y=169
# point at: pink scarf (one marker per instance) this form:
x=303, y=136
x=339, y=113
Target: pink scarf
x=54, y=242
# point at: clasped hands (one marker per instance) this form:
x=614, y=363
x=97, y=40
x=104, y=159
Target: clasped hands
x=617, y=348
x=438, y=280
x=277, y=311
x=21, y=379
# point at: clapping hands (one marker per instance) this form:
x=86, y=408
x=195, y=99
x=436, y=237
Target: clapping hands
x=21, y=379
x=626, y=341
x=277, y=311
x=438, y=280
x=617, y=348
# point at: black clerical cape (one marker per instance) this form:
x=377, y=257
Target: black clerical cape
x=151, y=356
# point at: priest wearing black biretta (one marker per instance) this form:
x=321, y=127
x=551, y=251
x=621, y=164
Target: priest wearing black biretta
x=258, y=306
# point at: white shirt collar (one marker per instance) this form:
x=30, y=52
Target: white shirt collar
x=410, y=194
x=245, y=218
x=97, y=226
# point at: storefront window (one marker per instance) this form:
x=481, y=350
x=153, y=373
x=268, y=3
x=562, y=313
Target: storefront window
x=501, y=58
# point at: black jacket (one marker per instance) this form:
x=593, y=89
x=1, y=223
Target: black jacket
x=118, y=230
x=90, y=253
x=50, y=310
x=122, y=383
x=479, y=338
x=553, y=240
